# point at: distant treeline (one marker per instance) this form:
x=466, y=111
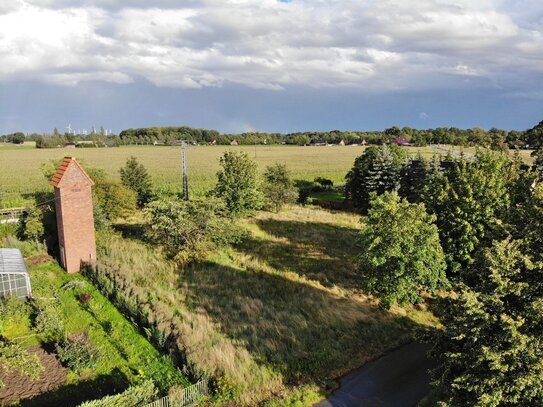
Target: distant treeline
x=494, y=138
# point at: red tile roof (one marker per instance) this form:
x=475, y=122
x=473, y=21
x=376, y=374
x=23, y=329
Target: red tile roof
x=64, y=165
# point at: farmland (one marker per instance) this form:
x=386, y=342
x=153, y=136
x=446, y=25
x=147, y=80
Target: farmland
x=21, y=166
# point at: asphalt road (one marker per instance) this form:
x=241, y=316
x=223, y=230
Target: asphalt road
x=398, y=379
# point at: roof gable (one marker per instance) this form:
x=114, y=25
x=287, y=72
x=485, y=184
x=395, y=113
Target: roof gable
x=70, y=172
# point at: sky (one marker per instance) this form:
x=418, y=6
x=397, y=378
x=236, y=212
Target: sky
x=268, y=65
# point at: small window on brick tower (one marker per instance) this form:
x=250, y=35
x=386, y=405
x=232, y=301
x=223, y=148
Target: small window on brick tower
x=75, y=220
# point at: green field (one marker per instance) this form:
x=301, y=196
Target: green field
x=21, y=172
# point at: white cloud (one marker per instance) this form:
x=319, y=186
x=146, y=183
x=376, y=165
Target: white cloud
x=374, y=45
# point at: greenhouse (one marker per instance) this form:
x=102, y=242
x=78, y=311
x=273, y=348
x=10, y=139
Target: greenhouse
x=14, y=277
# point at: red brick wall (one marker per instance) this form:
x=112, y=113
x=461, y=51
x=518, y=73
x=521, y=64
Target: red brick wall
x=75, y=220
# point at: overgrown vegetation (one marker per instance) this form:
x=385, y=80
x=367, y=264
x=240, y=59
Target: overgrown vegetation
x=103, y=351
x=249, y=316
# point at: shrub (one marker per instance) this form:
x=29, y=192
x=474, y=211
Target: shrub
x=305, y=188
x=188, y=230
x=278, y=188
x=133, y=396
x=325, y=183
x=48, y=322
x=76, y=352
x=31, y=225
x=114, y=199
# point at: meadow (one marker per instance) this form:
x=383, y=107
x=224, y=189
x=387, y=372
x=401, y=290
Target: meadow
x=277, y=317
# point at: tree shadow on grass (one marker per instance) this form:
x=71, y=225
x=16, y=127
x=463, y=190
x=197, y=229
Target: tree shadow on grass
x=77, y=393
x=319, y=251
x=305, y=332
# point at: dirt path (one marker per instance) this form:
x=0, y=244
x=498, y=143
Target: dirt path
x=20, y=387
x=398, y=379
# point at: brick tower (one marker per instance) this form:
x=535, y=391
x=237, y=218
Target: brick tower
x=75, y=220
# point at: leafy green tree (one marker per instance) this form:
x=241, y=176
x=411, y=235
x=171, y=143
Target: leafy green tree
x=401, y=254
x=534, y=136
x=237, y=183
x=135, y=177
x=278, y=187
x=190, y=230
x=376, y=170
x=489, y=353
x=470, y=201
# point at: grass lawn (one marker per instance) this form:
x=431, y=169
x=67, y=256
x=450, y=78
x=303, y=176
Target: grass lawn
x=277, y=317
x=125, y=357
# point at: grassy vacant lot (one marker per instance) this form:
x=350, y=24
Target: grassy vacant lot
x=277, y=317
x=125, y=357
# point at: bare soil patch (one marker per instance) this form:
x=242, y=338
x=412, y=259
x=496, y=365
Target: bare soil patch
x=20, y=387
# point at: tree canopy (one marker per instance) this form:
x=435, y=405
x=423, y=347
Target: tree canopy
x=400, y=251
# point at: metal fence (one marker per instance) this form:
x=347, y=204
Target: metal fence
x=11, y=215
x=189, y=396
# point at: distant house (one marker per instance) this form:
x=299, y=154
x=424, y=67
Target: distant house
x=342, y=143
x=158, y=143
x=212, y=143
x=317, y=142
x=363, y=142
x=69, y=145
x=234, y=142
x=401, y=141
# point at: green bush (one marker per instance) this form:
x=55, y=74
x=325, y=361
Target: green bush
x=278, y=187
x=189, y=230
x=237, y=184
x=77, y=352
x=48, y=322
x=134, y=396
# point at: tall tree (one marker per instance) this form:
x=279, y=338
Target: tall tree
x=237, y=183
x=489, y=353
x=470, y=202
x=135, y=177
x=376, y=170
x=401, y=254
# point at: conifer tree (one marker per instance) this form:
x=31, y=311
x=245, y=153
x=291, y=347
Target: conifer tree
x=489, y=353
x=377, y=170
x=134, y=176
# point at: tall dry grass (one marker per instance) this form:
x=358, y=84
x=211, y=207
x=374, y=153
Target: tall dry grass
x=280, y=311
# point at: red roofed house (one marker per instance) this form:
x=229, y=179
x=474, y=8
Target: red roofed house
x=75, y=220
x=401, y=141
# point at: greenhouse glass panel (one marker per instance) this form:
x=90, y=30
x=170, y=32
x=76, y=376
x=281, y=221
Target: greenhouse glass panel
x=14, y=277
